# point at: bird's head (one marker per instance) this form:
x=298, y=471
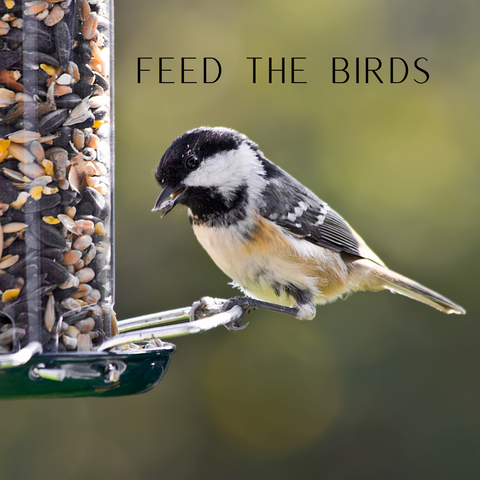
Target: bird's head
x=210, y=170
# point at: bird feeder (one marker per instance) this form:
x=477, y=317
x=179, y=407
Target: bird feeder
x=58, y=332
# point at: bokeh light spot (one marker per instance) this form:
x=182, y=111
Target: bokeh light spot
x=275, y=390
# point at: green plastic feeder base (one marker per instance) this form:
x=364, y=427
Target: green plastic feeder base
x=97, y=374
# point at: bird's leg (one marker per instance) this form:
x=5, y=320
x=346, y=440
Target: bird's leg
x=247, y=303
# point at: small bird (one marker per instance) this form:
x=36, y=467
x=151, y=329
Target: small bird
x=286, y=249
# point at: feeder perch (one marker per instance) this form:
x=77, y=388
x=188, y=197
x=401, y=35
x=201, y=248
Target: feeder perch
x=134, y=361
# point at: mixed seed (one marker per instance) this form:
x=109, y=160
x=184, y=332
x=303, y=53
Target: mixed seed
x=55, y=170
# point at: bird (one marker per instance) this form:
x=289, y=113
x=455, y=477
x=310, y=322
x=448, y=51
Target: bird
x=283, y=247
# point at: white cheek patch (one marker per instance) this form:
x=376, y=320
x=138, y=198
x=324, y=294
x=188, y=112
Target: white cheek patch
x=228, y=170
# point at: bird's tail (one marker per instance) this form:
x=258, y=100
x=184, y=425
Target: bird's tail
x=374, y=277
x=398, y=283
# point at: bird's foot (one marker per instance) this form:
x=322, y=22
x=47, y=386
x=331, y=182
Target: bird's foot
x=247, y=303
x=242, y=302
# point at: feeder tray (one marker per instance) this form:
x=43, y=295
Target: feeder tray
x=134, y=361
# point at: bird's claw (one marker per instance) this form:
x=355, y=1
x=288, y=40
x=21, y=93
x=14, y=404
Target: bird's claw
x=236, y=325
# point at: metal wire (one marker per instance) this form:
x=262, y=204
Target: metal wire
x=213, y=307
x=21, y=357
x=170, y=331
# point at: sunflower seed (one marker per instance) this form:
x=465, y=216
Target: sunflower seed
x=7, y=97
x=31, y=170
x=20, y=153
x=49, y=236
x=51, y=121
x=35, y=7
x=8, y=261
x=49, y=317
x=14, y=227
x=8, y=193
x=56, y=14
x=9, y=58
x=63, y=43
x=56, y=273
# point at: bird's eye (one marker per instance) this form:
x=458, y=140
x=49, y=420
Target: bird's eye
x=192, y=162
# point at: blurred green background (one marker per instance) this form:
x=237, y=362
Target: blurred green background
x=377, y=386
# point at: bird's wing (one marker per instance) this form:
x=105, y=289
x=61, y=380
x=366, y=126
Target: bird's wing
x=290, y=205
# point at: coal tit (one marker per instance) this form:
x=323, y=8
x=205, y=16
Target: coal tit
x=286, y=249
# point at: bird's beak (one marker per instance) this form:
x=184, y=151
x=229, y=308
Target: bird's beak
x=168, y=198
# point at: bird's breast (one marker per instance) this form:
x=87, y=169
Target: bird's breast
x=266, y=262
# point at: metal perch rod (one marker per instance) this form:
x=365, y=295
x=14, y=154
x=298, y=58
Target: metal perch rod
x=21, y=357
x=170, y=331
x=169, y=316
